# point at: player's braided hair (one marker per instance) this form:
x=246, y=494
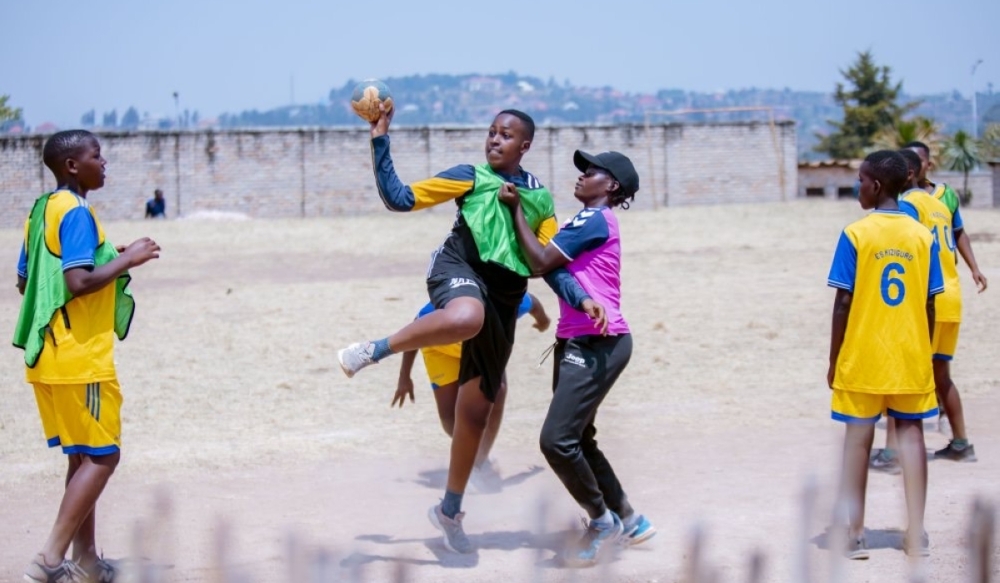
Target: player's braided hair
x=619, y=198
x=889, y=168
x=63, y=145
x=529, y=124
x=918, y=144
x=912, y=160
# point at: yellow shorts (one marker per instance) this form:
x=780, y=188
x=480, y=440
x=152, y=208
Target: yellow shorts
x=442, y=368
x=945, y=340
x=854, y=407
x=81, y=418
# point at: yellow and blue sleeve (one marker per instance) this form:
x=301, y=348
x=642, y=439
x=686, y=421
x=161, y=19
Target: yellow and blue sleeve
x=844, y=269
x=910, y=209
x=78, y=239
x=547, y=231
x=400, y=197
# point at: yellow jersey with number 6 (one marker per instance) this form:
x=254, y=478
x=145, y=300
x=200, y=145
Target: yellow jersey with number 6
x=889, y=263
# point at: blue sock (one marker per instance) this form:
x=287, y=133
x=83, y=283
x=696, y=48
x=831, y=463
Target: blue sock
x=381, y=349
x=452, y=504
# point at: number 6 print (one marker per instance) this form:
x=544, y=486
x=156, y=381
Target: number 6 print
x=893, y=290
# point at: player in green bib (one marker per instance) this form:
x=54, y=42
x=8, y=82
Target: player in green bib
x=476, y=281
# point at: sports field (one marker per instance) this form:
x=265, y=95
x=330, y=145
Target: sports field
x=237, y=414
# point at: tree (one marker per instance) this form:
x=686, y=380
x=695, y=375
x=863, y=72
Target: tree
x=7, y=112
x=869, y=104
x=961, y=154
x=88, y=118
x=917, y=129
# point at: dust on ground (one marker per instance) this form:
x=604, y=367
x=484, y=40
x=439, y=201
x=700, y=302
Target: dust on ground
x=236, y=409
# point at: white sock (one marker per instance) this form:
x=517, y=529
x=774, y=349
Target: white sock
x=605, y=519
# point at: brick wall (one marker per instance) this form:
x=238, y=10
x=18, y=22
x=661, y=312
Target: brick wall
x=295, y=172
x=980, y=183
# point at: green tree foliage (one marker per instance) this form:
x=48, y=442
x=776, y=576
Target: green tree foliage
x=870, y=106
x=7, y=112
x=917, y=129
x=961, y=154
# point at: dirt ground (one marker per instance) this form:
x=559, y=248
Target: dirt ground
x=242, y=434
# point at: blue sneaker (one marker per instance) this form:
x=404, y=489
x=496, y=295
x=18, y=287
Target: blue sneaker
x=586, y=552
x=637, y=530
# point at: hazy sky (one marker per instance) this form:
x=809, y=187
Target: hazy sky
x=63, y=58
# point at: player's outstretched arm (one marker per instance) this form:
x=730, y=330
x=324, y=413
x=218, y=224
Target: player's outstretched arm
x=964, y=245
x=841, y=310
x=401, y=197
x=81, y=281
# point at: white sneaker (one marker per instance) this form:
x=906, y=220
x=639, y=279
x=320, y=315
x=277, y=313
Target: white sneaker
x=356, y=357
x=454, y=535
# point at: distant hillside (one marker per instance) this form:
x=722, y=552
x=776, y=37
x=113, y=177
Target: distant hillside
x=474, y=99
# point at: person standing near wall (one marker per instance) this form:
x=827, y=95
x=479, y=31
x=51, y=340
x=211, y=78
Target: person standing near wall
x=156, y=207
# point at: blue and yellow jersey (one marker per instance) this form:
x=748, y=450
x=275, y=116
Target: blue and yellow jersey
x=79, y=345
x=452, y=184
x=934, y=214
x=889, y=263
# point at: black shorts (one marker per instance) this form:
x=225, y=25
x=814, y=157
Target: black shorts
x=451, y=275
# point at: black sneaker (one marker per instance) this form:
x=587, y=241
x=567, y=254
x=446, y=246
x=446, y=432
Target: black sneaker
x=955, y=454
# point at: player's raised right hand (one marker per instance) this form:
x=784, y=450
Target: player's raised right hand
x=141, y=251
x=380, y=127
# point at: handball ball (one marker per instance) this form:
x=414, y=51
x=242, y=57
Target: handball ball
x=366, y=97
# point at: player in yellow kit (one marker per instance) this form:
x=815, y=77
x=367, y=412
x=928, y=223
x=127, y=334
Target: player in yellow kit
x=75, y=303
x=886, y=272
x=936, y=207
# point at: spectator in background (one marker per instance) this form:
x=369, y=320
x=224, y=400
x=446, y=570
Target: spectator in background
x=156, y=207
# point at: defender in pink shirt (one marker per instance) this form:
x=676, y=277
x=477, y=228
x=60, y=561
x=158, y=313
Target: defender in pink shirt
x=589, y=356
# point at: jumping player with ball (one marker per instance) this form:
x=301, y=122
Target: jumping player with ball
x=476, y=281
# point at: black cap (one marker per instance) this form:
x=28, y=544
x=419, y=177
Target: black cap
x=615, y=163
